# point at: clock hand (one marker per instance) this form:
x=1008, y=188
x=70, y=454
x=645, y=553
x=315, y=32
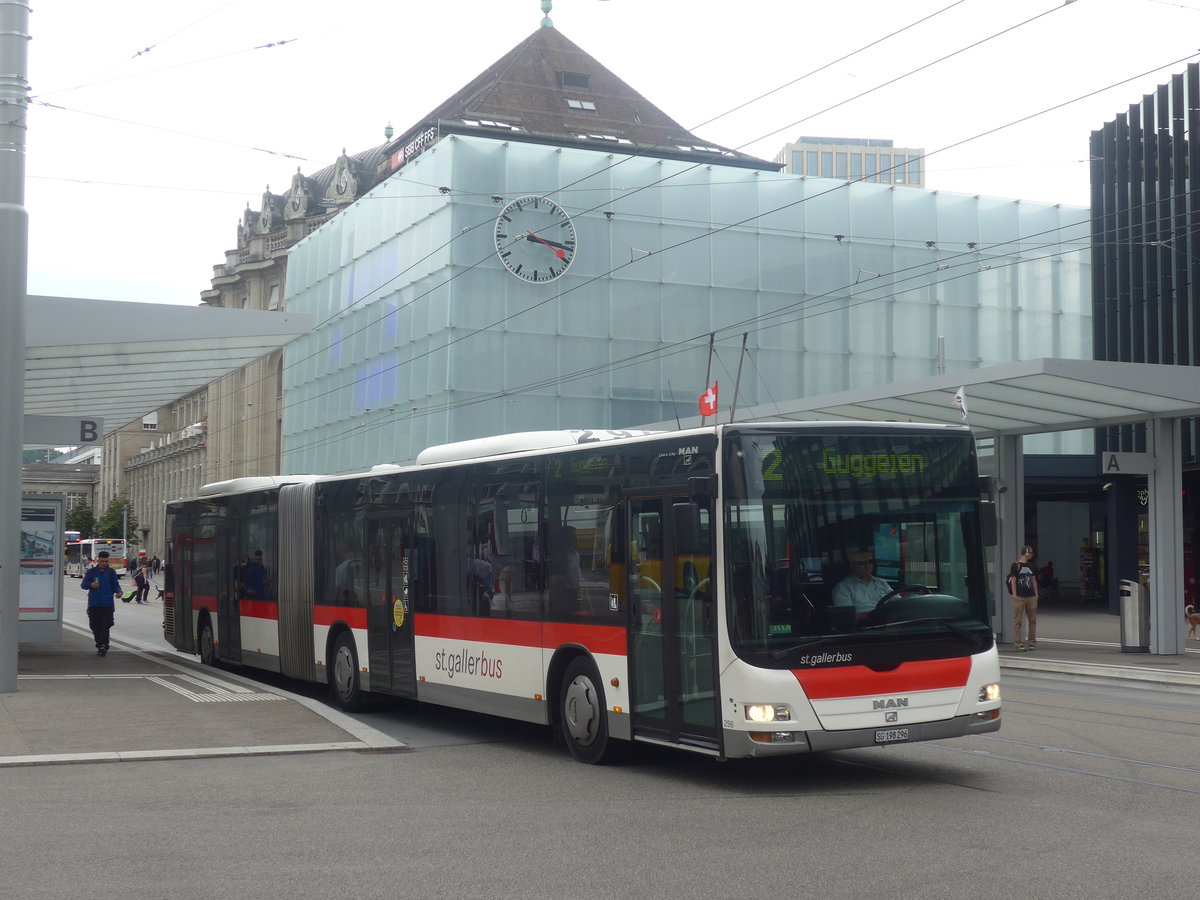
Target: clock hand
x=558, y=248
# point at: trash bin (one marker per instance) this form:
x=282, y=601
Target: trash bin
x=1135, y=618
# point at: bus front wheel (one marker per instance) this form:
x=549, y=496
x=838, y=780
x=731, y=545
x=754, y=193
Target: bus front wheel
x=583, y=716
x=344, y=684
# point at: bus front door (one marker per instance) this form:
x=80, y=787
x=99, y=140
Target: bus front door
x=389, y=609
x=673, y=666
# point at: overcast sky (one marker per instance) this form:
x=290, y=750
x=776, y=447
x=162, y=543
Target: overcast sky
x=153, y=124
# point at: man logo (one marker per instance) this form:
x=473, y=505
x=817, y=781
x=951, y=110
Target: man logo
x=890, y=703
x=891, y=716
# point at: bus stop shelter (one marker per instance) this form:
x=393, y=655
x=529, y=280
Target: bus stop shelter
x=111, y=362
x=93, y=365
x=1006, y=402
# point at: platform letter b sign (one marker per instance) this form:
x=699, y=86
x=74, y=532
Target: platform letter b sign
x=87, y=431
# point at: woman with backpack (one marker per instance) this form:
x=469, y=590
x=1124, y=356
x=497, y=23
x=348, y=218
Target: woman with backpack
x=1022, y=584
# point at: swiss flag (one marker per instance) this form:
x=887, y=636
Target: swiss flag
x=708, y=401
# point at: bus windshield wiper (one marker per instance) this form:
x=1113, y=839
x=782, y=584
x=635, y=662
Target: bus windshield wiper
x=948, y=622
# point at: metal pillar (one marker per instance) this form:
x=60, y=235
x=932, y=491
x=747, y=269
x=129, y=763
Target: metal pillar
x=1010, y=473
x=14, y=241
x=1167, y=635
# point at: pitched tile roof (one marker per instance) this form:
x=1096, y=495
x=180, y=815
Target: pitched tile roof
x=549, y=91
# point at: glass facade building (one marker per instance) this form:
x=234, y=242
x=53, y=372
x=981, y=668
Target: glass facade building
x=423, y=337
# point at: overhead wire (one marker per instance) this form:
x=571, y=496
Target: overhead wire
x=662, y=250
x=98, y=79
x=692, y=344
x=837, y=294
x=839, y=186
x=696, y=342
x=669, y=177
x=372, y=292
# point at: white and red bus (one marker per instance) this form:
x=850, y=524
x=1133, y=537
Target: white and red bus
x=671, y=588
x=80, y=554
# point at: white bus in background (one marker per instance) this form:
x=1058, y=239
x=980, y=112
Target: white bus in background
x=80, y=554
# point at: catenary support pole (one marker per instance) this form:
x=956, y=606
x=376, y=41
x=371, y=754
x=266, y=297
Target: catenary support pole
x=14, y=239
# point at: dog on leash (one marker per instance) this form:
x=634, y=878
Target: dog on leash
x=1193, y=619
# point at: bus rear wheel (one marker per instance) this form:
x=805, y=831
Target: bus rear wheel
x=583, y=715
x=344, y=685
x=208, y=647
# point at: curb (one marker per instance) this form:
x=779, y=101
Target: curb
x=1142, y=675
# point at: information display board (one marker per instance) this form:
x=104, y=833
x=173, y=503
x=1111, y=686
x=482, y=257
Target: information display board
x=41, y=556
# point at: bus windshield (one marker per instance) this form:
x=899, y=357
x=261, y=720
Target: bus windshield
x=865, y=544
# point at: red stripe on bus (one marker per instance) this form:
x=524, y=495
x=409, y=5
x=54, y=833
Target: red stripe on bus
x=597, y=638
x=859, y=681
x=515, y=632
x=260, y=609
x=354, y=616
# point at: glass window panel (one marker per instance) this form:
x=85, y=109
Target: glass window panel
x=826, y=164
x=813, y=168
x=885, y=168
x=856, y=166
x=734, y=259
x=840, y=167
x=869, y=166
x=914, y=170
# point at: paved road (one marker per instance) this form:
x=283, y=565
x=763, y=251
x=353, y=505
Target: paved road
x=1089, y=790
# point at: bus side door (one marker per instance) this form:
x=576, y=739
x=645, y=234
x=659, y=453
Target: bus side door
x=390, y=607
x=672, y=625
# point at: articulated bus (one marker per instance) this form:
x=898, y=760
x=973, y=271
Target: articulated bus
x=82, y=553
x=670, y=588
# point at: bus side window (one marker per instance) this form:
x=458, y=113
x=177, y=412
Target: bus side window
x=565, y=573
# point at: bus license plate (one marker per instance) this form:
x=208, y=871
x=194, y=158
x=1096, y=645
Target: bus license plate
x=888, y=735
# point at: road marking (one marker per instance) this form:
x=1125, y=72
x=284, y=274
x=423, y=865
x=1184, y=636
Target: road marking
x=211, y=692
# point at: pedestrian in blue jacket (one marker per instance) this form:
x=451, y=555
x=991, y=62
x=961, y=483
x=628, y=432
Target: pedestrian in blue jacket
x=103, y=586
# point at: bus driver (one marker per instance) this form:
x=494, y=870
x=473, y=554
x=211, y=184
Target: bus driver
x=861, y=589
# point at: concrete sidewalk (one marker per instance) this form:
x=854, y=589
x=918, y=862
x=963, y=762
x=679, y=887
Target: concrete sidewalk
x=1075, y=638
x=74, y=706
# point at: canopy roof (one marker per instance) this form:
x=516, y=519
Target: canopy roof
x=1027, y=397
x=120, y=361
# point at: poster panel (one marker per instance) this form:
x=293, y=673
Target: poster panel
x=41, y=559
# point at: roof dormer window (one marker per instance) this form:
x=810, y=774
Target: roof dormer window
x=586, y=106
x=574, y=81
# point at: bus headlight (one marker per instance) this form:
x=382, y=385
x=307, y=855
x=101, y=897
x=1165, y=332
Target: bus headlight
x=989, y=692
x=768, y=712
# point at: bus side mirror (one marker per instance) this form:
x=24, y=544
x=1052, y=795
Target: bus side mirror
x=702, y=488
x=988, y=527
x=686, y=517
x=987, y=523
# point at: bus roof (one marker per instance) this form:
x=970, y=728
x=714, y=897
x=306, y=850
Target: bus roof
x=252, y=483
x=521, y=442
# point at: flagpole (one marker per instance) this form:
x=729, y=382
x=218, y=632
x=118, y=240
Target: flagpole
x=712, y=336
x=674, y=406
x=737, y=383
